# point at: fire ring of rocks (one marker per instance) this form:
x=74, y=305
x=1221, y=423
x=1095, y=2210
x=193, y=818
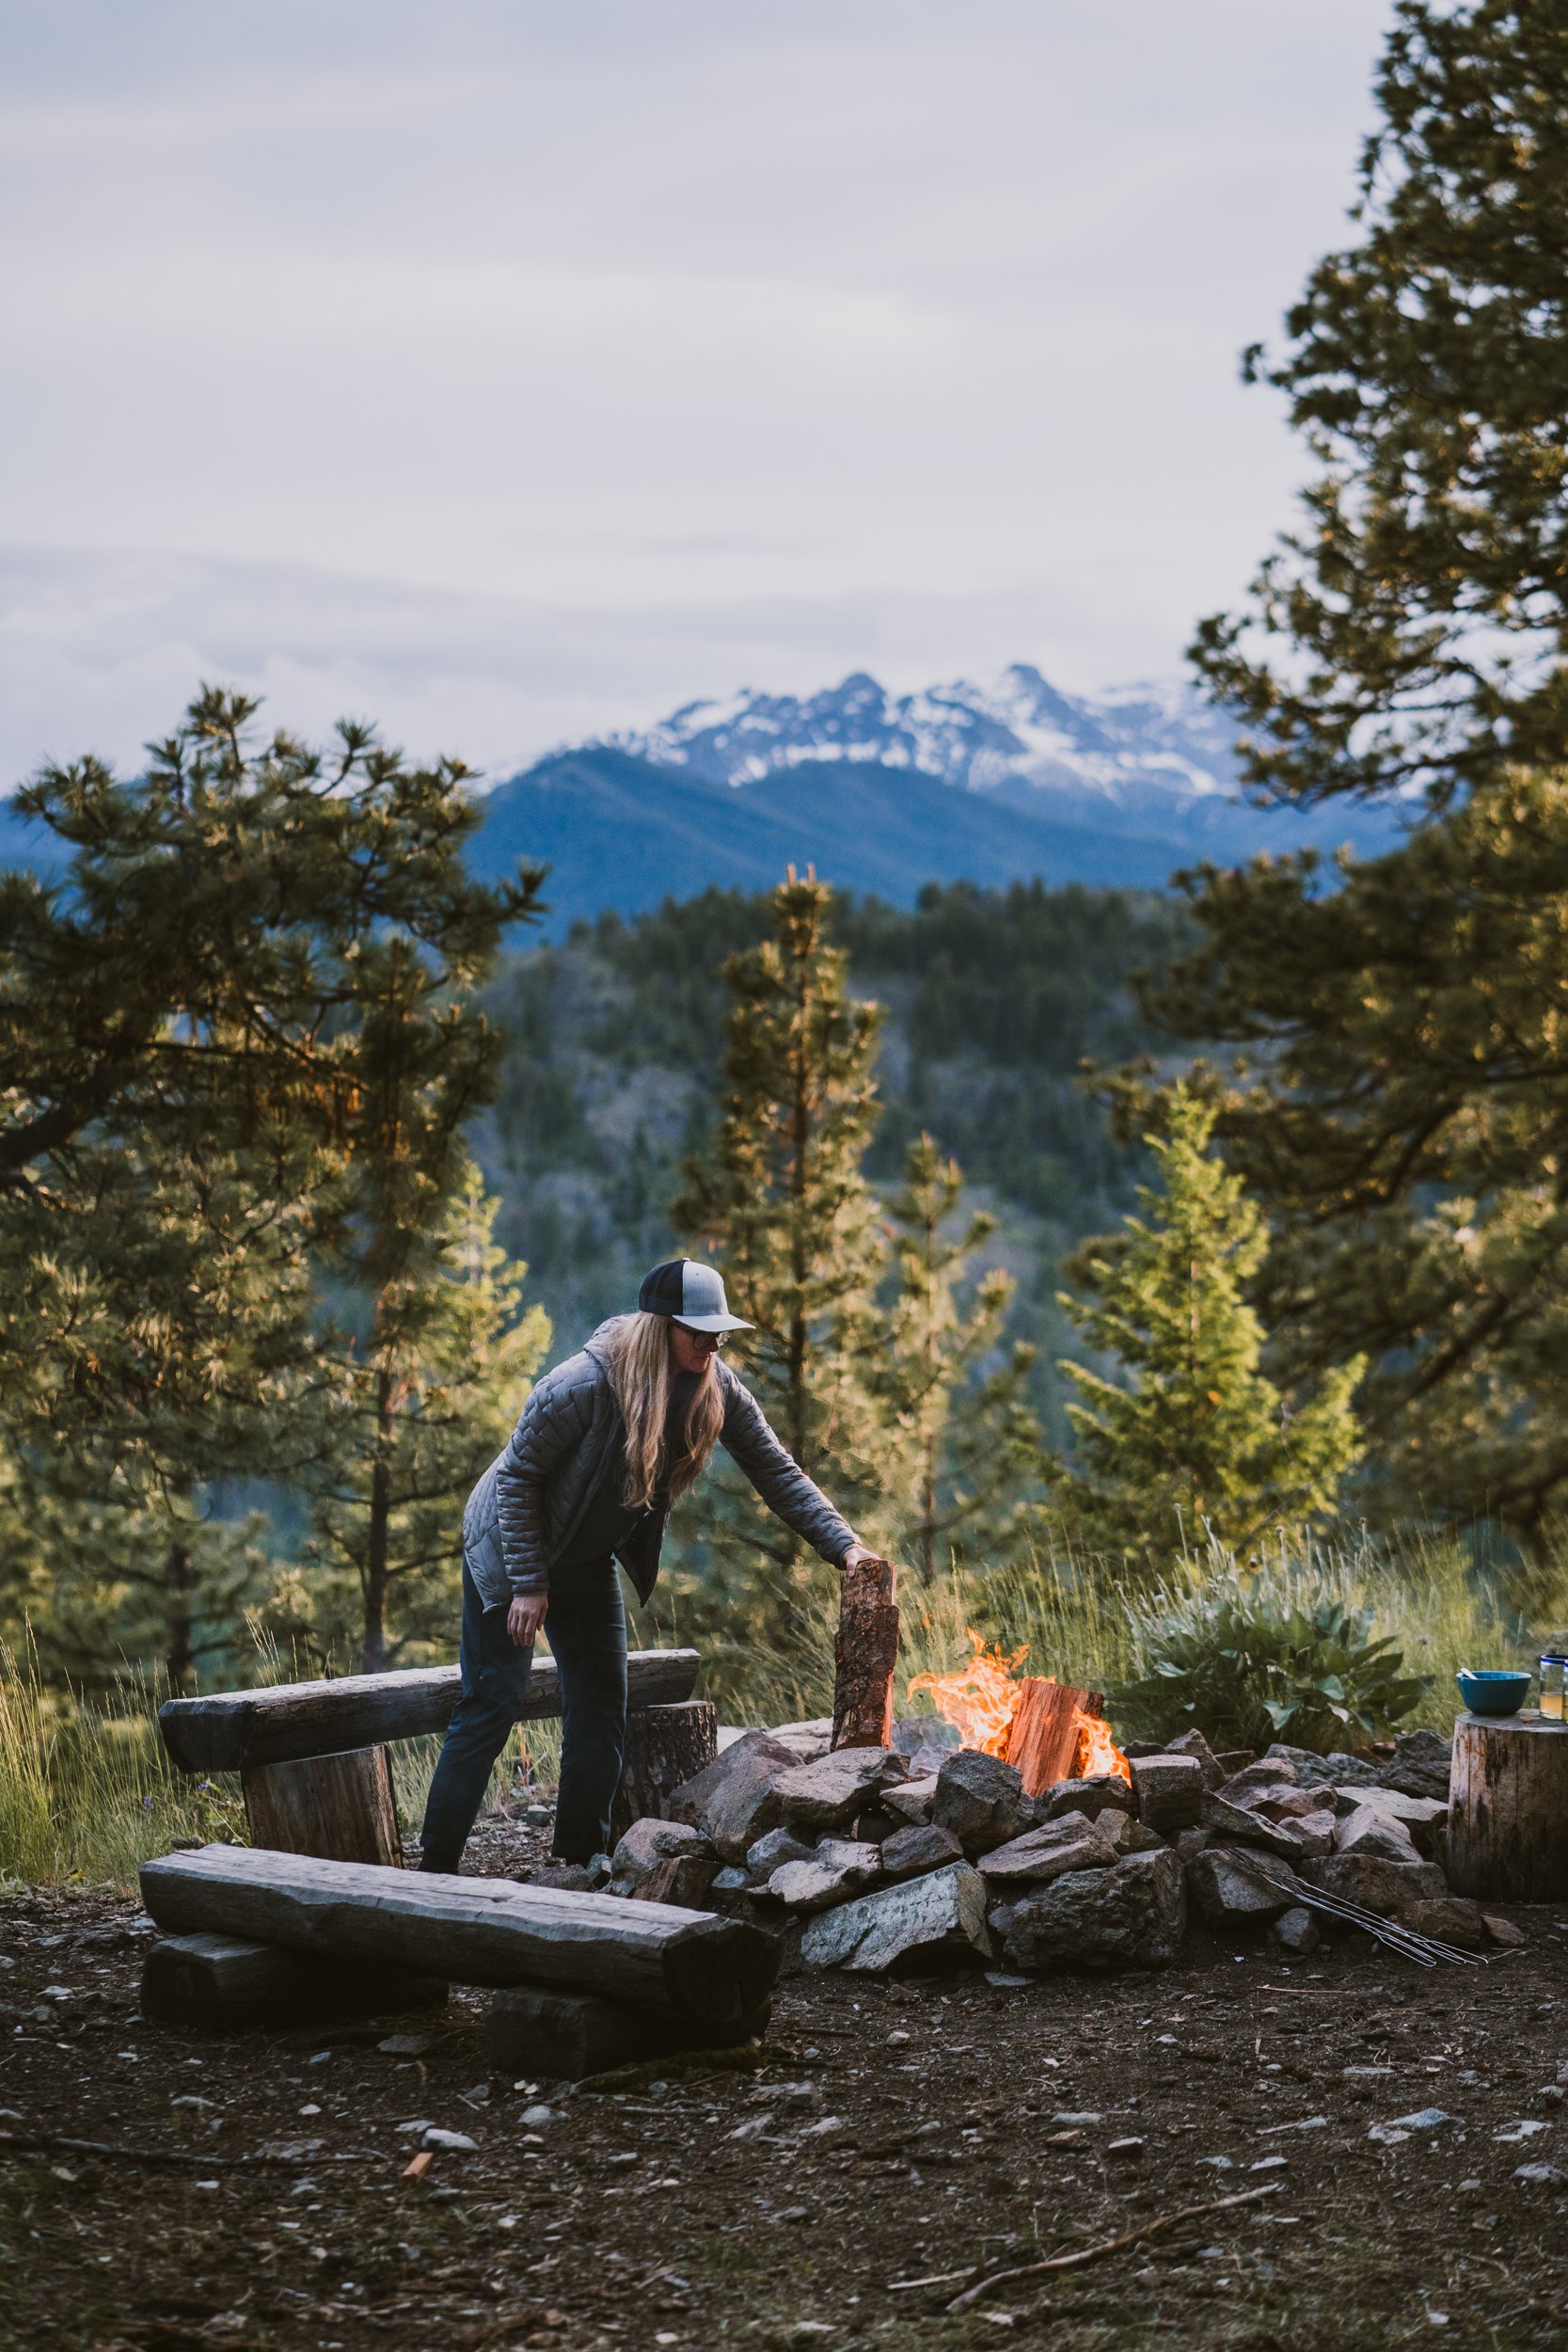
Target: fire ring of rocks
x=928, y=1852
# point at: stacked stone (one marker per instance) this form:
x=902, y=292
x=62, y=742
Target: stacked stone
x=921, y=1853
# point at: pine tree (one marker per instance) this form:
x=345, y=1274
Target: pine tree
x=1399, y=1103
x=1415, y=631
x=208, y=1030
x=781, y=1204
x=431, y=1391
x=963, y=1449
x=1197, y=1437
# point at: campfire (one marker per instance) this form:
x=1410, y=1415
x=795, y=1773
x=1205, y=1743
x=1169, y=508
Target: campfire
x=1049, y=1730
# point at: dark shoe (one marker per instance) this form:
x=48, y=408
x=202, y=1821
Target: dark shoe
x=445, y=1864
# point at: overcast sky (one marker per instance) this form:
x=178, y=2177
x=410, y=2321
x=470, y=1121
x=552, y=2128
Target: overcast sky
x=512, y=370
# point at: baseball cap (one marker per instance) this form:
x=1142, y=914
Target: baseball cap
x=689, y=1293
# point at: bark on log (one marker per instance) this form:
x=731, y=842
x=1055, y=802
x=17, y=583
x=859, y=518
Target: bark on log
x=338, y=1806
x=568, y=2035
x=218, y=1982
x=473, y=1931
x=232, y=1728
x=665, y=1746
x=865, y=1654
x=1508, y=1808
x=1042, y=1738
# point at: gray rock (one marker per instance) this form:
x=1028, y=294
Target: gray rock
x=1127, y=1835
x=912, y=1733
x=1386, y=1888
x=1169, y=1790
x=1194, y=1743
x=1237, y=1883
x=1105, y=1793
x=1070, y=1843
x=1000, y=1919
x=908, y=1853
x=981, y=1801
x=1425, y=1818
x=828, y=1793
x=734, y=1879
x=923, y=1923
x=1132, y=1915
x=912, y=1800
x=1292, y=1839
x=1192, y=1841
x=1269, y=1776
x=1295, y=1931
x=840, y=1868
x=735, y=1800
x=1312, y=1770
x=1421, y=1765
x=1447, y=1919
x=1369, y=1831
x=772, y=1852
x=808, y=1741
x=1291, y=1805
x=648, y=1844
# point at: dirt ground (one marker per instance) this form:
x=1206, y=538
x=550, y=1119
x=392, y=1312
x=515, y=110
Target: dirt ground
x=895, y=2144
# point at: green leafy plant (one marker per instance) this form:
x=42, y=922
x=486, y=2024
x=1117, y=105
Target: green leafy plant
x=1249, y=1658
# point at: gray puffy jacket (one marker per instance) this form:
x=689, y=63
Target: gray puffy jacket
x=525, y=1510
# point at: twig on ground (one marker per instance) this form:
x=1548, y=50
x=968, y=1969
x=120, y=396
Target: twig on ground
x=208, y=2162
x=741, y=2059
x=1109, y=2246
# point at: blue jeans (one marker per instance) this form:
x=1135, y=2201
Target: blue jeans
x=587, y=1628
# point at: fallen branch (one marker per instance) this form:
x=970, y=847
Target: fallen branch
x=1109, y=2246
x=742, y=2058
x=208, y=2162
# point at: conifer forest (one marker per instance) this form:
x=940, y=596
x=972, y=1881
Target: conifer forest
x=1164, y=1283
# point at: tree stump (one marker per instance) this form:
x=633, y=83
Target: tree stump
x=339, y=1808
x=665, y=1746
x=865, y=1654
x=568, y=2035
x=1508, y=1808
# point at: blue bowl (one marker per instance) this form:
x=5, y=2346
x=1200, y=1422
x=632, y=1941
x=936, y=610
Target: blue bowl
x=1493, y=1693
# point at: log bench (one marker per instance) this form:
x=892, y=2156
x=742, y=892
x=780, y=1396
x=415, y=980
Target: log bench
x=253, y=1937
x=315, y=1767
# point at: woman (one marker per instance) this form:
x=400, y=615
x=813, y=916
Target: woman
x=607, y=1442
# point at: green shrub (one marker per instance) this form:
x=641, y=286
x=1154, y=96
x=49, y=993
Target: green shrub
x=1247, y=1659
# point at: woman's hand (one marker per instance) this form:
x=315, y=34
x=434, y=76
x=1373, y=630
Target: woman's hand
x=525, y=1617
x=856, y=1554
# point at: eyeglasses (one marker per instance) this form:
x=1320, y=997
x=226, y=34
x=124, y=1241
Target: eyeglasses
x=713, y=1340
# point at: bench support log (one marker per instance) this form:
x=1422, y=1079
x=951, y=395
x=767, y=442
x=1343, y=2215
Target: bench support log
x=665, y=1746
x=338, y=1806
x=221, y=1983
x=1508, y=1809
x=568, y=2035
x=866, y=1654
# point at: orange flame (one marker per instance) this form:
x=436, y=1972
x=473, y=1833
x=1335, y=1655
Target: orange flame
x=979, y=1699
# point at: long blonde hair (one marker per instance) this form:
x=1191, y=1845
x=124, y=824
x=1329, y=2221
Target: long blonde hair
x=638, y=1352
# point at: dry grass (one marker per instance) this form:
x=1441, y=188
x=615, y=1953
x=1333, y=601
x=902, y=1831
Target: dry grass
x=86, y=1792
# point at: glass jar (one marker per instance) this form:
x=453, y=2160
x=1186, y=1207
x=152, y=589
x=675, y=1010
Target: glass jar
x=1554, y=1677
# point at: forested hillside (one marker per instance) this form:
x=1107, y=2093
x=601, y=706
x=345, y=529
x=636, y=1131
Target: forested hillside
x=994, y=1000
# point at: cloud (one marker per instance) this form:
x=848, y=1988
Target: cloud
x=593, y=342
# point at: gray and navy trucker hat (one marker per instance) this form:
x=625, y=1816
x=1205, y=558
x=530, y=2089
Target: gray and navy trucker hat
x=690, y=1294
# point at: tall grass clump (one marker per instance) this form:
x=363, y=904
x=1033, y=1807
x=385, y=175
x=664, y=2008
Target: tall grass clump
x=86, y=1792
x=1330, y=1640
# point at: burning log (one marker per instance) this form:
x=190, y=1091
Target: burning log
x=1044, y=1733
x=1047, y=1730
x=867, y=1653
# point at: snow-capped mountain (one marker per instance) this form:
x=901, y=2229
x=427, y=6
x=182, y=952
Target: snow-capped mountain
x=997, y=783
x=1018, y=727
